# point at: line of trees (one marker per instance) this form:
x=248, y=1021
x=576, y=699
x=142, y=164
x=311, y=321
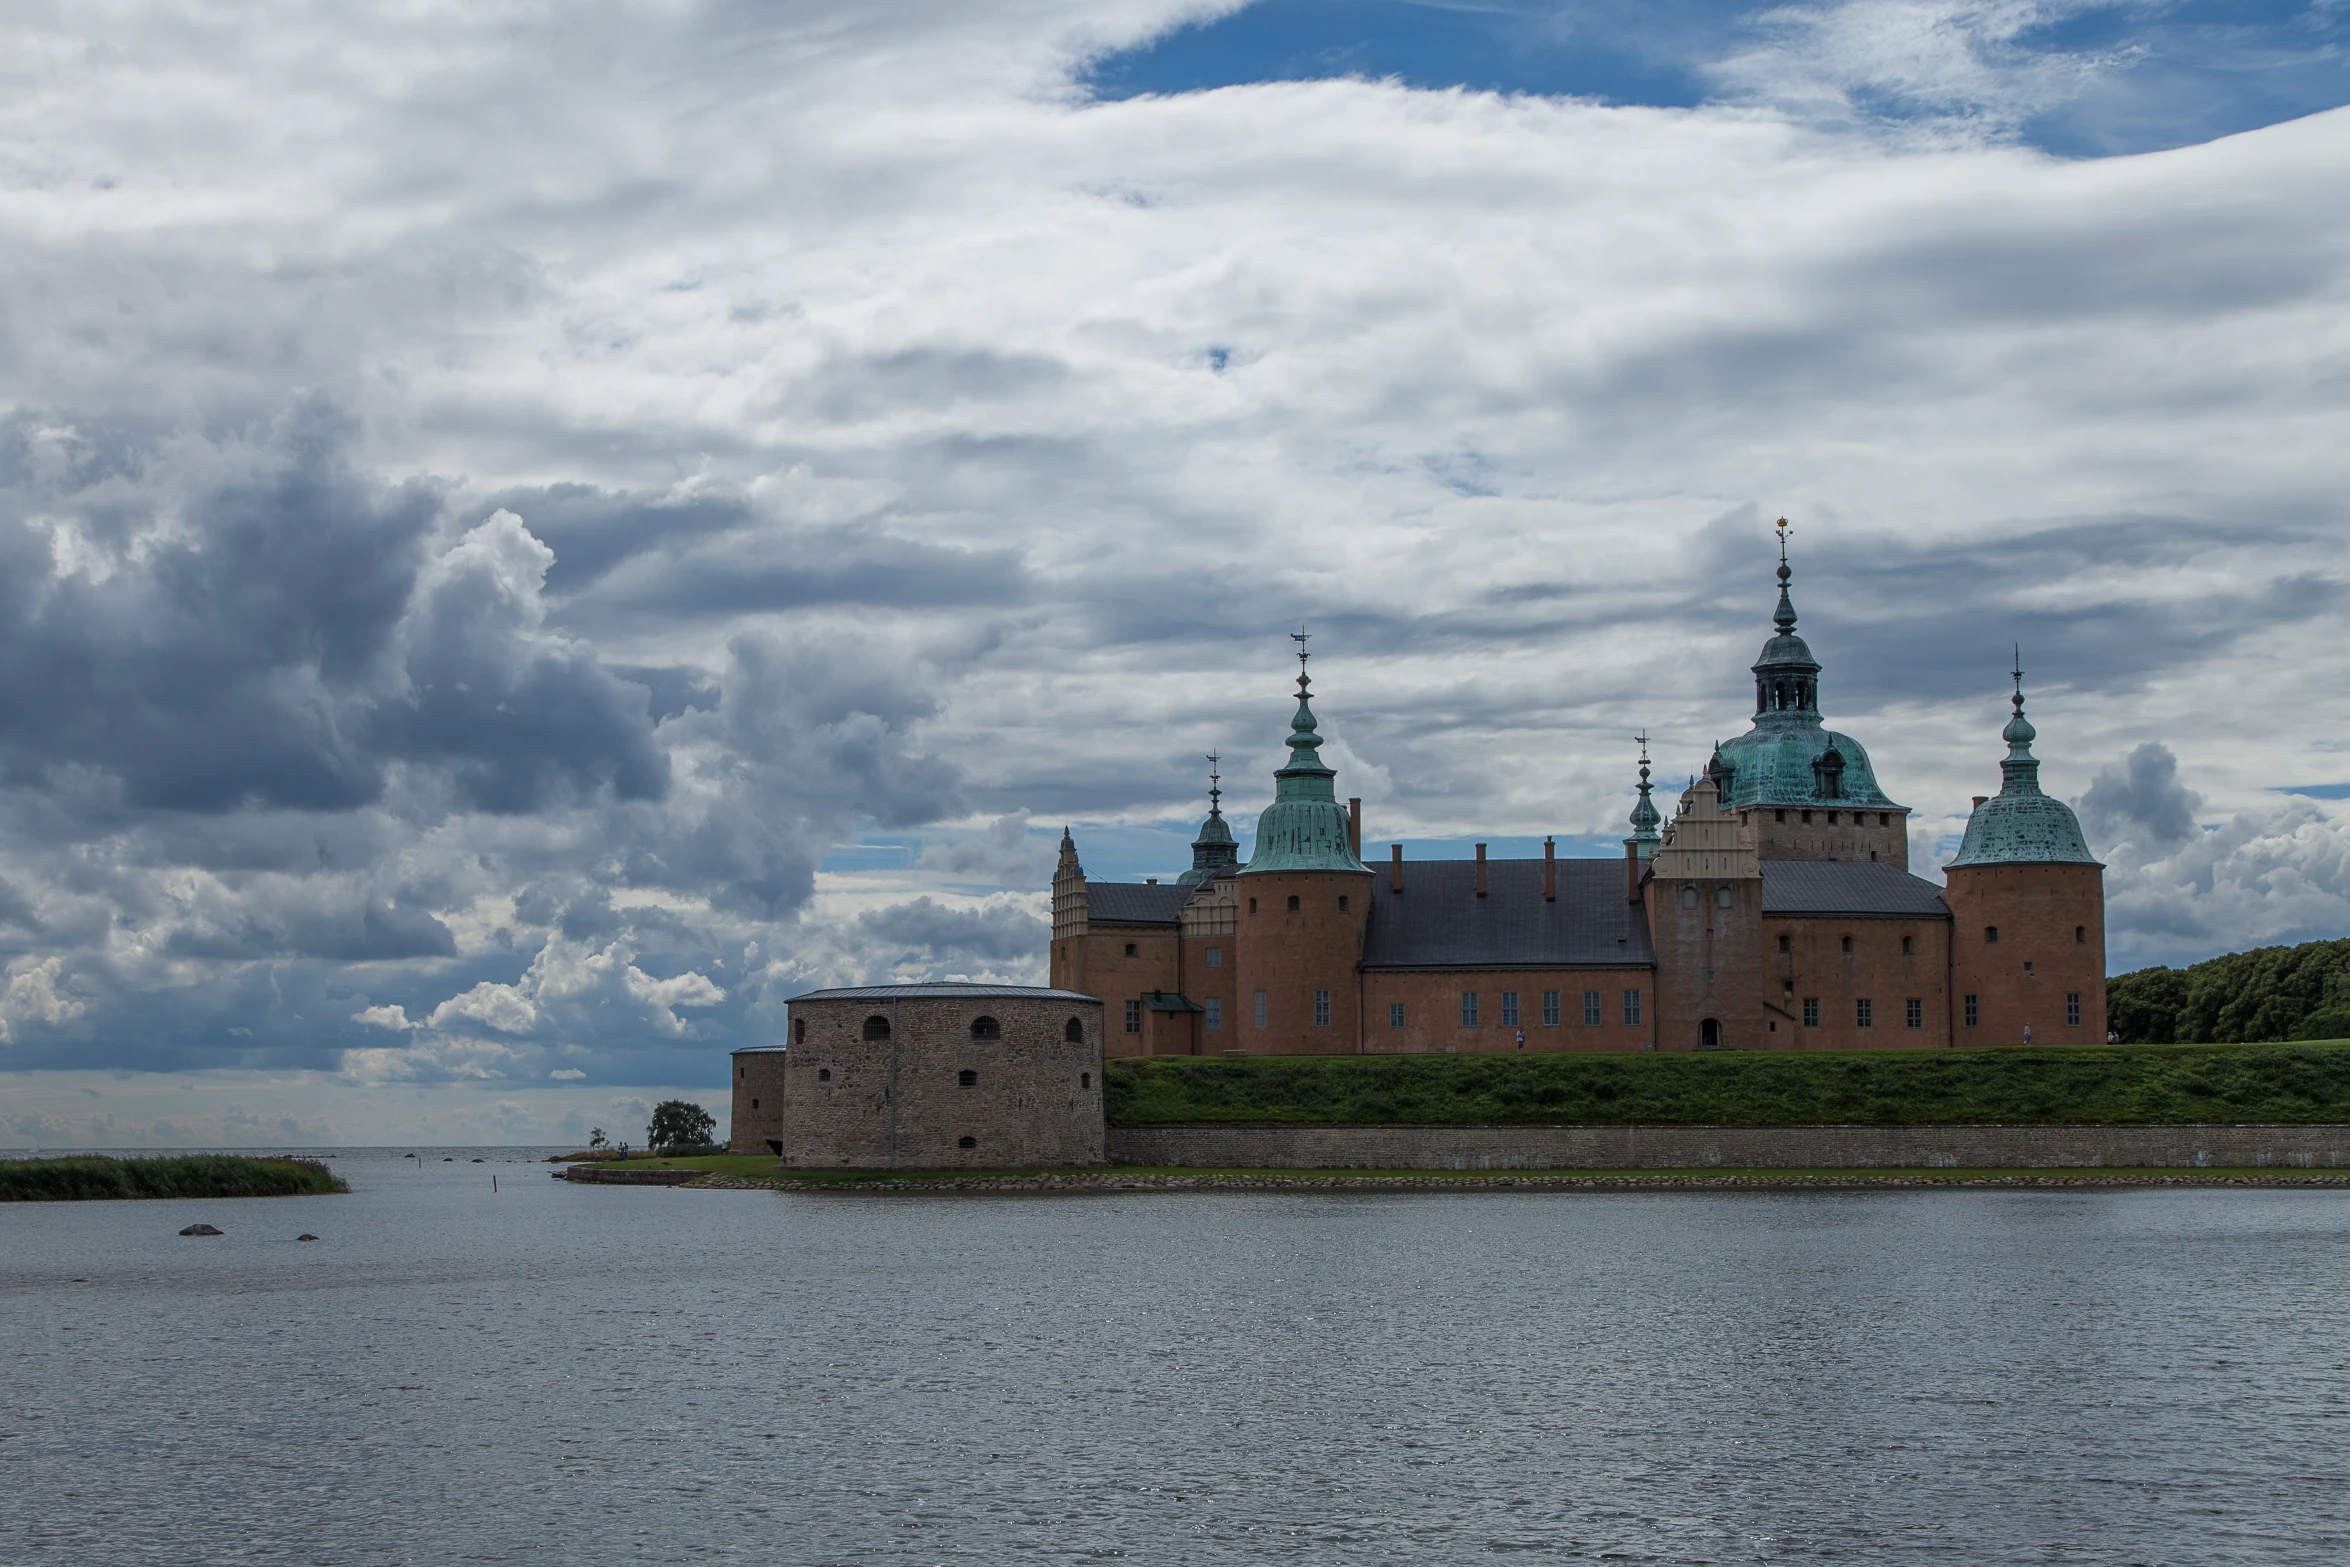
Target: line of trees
x=2268, y=993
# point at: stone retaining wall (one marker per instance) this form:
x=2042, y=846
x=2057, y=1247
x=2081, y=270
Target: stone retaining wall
x=1731, y=1147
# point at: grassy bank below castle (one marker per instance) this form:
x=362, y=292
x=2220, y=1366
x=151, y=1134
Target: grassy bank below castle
x=2175, y=1085
x=96, y=1178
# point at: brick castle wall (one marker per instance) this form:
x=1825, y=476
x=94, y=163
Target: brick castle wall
x=1289, y=954
x=758, y=1101
x=1433, y=1010
x=900, y=1102
x=1817, y=966
x=2051, y=925
x=1816, y=833
x=1731, y=1147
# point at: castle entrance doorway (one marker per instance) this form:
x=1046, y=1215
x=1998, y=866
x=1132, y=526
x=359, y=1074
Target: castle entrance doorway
x=1709, y=1035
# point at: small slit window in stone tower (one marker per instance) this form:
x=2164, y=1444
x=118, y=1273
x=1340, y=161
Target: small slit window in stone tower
x=1848, y=943
x=799, y=1031
x=1074, y=1032
x=1342, y=903
x=1293, y=903
x=986, y=1028
x=824, y=1074
x=1130, y=949
x=1085, y=1079
x=966, y=1078
x=1252, y=905
x=966, y=1142
x=877, y=1027
x=1990, y=935
x=1785, y=944
x=2080, y=935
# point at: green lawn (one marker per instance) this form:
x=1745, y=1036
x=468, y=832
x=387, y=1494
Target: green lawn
x=2094, y=1085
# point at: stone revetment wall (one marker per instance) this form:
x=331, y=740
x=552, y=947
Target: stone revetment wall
x=1732, y=1147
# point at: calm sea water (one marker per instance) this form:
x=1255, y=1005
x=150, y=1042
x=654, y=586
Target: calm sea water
x=556, y=1374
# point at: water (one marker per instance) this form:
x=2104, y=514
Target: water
x=553, y=1374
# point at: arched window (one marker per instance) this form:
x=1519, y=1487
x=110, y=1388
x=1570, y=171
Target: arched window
x=1990, y=935
x=1085, y=1079
x=966, y=1078
x=824, y=1074
x=1074, y=1033
x=966, y=1142
x=1722, y=897
x=1848, y=943
x=1689, y=897
x=799, y=1031
x=986, y=1028
x=877, y=1027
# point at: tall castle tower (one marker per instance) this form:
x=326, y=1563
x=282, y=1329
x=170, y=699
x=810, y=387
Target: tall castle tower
x=1801, y=790
x=1704, y=896
x=2027, y=911
x=1303, y=898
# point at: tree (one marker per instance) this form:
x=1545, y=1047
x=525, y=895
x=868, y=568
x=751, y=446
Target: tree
x=678, y=1123
x=595, y=1137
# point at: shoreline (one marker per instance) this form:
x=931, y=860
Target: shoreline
x=1074, y=1181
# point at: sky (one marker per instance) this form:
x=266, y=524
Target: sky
x=532, y=534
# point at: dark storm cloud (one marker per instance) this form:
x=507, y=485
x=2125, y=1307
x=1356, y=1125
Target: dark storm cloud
x=256, y=624
x=375, y=933
x=999, y=931
x=2141, y=798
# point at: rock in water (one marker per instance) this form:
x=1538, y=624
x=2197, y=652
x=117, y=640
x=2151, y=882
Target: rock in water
x=199, y=1229
x=305, y=1237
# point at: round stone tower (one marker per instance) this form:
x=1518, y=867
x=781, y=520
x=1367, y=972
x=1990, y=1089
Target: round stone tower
x=2027, y=913
x=1304, y=896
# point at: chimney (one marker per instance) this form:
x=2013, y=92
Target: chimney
x=1396, y=850
x=1550, y=871
x=1480, y=870
x=1979, y=799
x=1354, y=827
x=1631, y=870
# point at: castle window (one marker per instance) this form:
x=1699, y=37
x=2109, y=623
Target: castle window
x=1085, y=1079
x=1215, y=957
x=966, y=1142
x=1591, y=1009
x=1778, y=816
x=1848, y=943
x=1811, y=1012
x=1973, y=1013
x=1913, y=1012
x=1395, y=1014
x=986, y=1028
x=1293, y=903
x=1134, y=1017
x=1722, y=897
x=1509, y=1009
x=1252, y=905
x=1130, y=949
x=1786, y=943
x=1074, y=1032
x=1321, y=1009
x=1260, y=1009
x=1807, y=818
x=966, y=1078
x=799, y=1031
x=2072, y=1013
x=1990, y=935
x=1884, y=818
x=742, y=1071
x=2080, y=935
x=1632, y=1007
x=1864, y=1013
x=1909, y=946
x=1831, y=818
x=1214, y=1018
x=754, y=1104
x=1468, y=1009
x=1689, y=897
x=877, y=1027
x=1550, y=1009
x=2027, y=966
x=1342, y=903
x=824, y=1074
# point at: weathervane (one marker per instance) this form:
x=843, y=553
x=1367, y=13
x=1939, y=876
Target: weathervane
x=1642, y=737
x=1784, y=528
x=1299, y=637
x=2018, y=672
x=1215, y=780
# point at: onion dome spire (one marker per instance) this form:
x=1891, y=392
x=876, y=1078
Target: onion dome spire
x=1213, y=850
x=2020, y=824
x=1645, y=817
x=1786, y=677
x=1305, y=828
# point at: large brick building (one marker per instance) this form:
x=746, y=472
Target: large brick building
x=1774, y=910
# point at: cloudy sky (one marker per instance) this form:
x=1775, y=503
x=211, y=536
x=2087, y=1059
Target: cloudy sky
x=530, y=534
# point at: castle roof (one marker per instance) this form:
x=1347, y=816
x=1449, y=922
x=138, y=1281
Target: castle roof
x=1305, y=828
x=1134, y=903
x=945, y=990
x=1438, y=921
x=2020, y=825
x=1855, y=887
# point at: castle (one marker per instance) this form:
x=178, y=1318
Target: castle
x=1775, y=910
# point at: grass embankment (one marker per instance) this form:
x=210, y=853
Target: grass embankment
x=95, y=1178
x=2164, y=1085
x=717, y=1163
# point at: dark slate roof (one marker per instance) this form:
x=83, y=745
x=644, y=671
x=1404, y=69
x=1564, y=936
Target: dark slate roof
x=1438, y=921
x=1848, y=887
x=948, y=989
x=1134, y=903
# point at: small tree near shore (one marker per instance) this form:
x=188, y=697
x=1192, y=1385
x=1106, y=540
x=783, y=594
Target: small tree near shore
x=679, y=1123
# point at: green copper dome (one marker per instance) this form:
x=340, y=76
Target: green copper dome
x=1789, y=757
x=1213, y=851
x=1305, y=828
x=2019, y=825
